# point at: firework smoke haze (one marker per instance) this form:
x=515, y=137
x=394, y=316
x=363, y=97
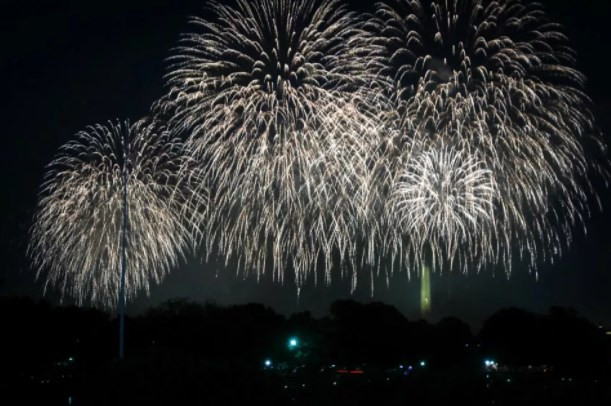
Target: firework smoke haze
x=76, y=235
x=488, y=98
x=273, y=96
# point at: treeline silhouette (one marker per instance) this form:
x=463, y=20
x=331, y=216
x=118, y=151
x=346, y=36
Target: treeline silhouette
x=182, y=352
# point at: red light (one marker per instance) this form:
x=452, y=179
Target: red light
x=352, y=371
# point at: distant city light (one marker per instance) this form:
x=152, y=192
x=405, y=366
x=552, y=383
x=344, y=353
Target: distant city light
x=490, y=364
x=293, y=342
x=422, y=363
x=268, y=363
x=351, y=371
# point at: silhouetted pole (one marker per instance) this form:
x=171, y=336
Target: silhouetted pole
x=123, y=250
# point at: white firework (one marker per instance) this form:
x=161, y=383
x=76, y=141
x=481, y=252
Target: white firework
x=76, y=235
x=273, y=95
x=498, y=79
x=443, y=201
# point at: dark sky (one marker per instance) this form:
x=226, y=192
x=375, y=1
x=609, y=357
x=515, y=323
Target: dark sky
x=69, y=63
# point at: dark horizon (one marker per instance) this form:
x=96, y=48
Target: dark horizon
x=180, y=352
x=70, y=64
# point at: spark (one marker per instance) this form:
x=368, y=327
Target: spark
x=76, y=234
x=274, y=97
x=489, y=133
x=444, y=198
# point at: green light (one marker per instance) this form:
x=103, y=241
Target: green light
x=422, y=363
x=293, y=342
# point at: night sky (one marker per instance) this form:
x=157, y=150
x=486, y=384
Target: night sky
x=67, y=64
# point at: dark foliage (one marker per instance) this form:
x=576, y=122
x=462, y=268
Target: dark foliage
x=182, y=352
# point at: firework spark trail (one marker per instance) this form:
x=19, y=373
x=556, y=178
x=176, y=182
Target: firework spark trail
x=274, y=97
x=444, y=198
x=497, y=79
x=76, y=234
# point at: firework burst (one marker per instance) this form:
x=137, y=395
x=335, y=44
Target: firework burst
x=77, y=230
x=497, y=82
x=444, y=198
x=273, y=96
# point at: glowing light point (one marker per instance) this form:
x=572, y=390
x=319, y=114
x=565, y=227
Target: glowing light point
x=490, y=364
